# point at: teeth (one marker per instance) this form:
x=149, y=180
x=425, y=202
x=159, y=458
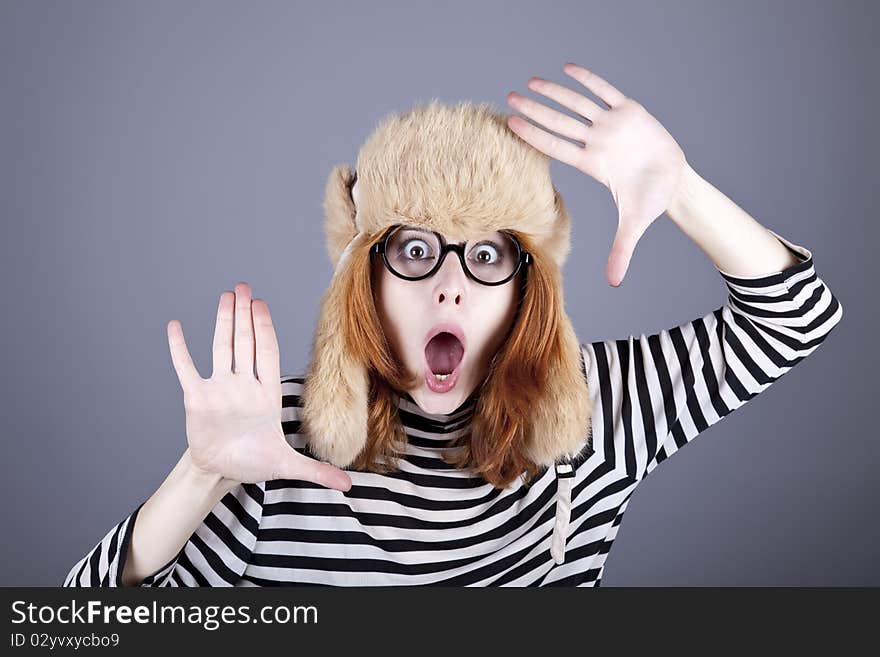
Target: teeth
x=440, y=377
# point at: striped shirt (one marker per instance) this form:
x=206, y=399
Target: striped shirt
x=433, y=524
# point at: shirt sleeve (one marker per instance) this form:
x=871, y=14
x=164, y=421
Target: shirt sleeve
x=658, y=392
x=215, y=555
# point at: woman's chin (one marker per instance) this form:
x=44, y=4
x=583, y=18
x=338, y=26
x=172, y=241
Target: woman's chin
x=439, y=403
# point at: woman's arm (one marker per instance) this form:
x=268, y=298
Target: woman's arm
x=654, y=393
x=195, y=530
x=737, y=244
x=169, y=517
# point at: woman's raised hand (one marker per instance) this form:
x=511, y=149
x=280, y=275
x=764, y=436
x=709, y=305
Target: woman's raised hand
x=625, y=148
x=233, y=419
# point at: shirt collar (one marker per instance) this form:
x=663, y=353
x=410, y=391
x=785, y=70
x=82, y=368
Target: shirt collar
x=413, y=416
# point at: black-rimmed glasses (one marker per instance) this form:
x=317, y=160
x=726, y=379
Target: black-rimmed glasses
x=414, y=253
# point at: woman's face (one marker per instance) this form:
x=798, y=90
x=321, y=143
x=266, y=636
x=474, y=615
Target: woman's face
x=412, y=311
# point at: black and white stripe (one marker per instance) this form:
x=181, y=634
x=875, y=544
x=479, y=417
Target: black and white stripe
x=431, y=524
x=217, y=550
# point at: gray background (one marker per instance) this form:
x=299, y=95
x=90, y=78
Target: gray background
x=153, y=154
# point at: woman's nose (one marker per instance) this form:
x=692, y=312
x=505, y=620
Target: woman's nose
x=451, y=281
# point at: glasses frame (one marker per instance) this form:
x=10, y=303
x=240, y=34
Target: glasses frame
x=523, y=257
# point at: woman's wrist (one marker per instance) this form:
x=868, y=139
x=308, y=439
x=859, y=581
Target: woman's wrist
x=690, y=186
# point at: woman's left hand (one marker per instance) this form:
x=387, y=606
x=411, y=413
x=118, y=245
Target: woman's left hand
x=625, y=148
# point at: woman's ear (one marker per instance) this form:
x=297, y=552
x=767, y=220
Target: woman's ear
x=339, y=210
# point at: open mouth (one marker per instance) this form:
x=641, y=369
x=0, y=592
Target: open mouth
x=443, y=356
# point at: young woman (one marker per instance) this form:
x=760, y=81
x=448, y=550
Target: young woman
x=451, y=429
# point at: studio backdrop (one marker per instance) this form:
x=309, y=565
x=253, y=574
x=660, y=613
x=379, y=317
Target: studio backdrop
x=156, y=154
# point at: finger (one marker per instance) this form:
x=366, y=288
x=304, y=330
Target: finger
x=268, y=357
x=621, y=254
x=186, y=370
x=223, y=333
x=550, y=118
x=567, y=98
x=545, y=142
x=243, y=340
x=594, y=83
x=293, y=465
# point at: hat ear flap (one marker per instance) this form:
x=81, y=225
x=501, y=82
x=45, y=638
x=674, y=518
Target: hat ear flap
x=561, y=414
x=558, y=241
x=336, y=387
x=340, y=213
x=561, y=424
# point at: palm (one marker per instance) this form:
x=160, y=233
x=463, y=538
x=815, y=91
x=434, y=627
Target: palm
x=241, y=438
x=642, y=173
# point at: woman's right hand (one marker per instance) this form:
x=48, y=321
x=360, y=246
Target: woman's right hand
x=233, y=419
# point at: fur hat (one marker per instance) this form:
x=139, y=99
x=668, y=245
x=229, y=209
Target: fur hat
x=457, y=170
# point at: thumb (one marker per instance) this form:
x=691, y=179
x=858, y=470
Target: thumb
x=625, y=241
x=293, y=465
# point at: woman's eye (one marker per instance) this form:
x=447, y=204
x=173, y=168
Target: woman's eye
x=485, y=254
x=416, y=249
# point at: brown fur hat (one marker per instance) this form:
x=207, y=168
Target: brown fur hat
x=457, y=170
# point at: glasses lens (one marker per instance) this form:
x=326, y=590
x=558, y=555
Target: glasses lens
x=492, y=258
x=414, y=252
